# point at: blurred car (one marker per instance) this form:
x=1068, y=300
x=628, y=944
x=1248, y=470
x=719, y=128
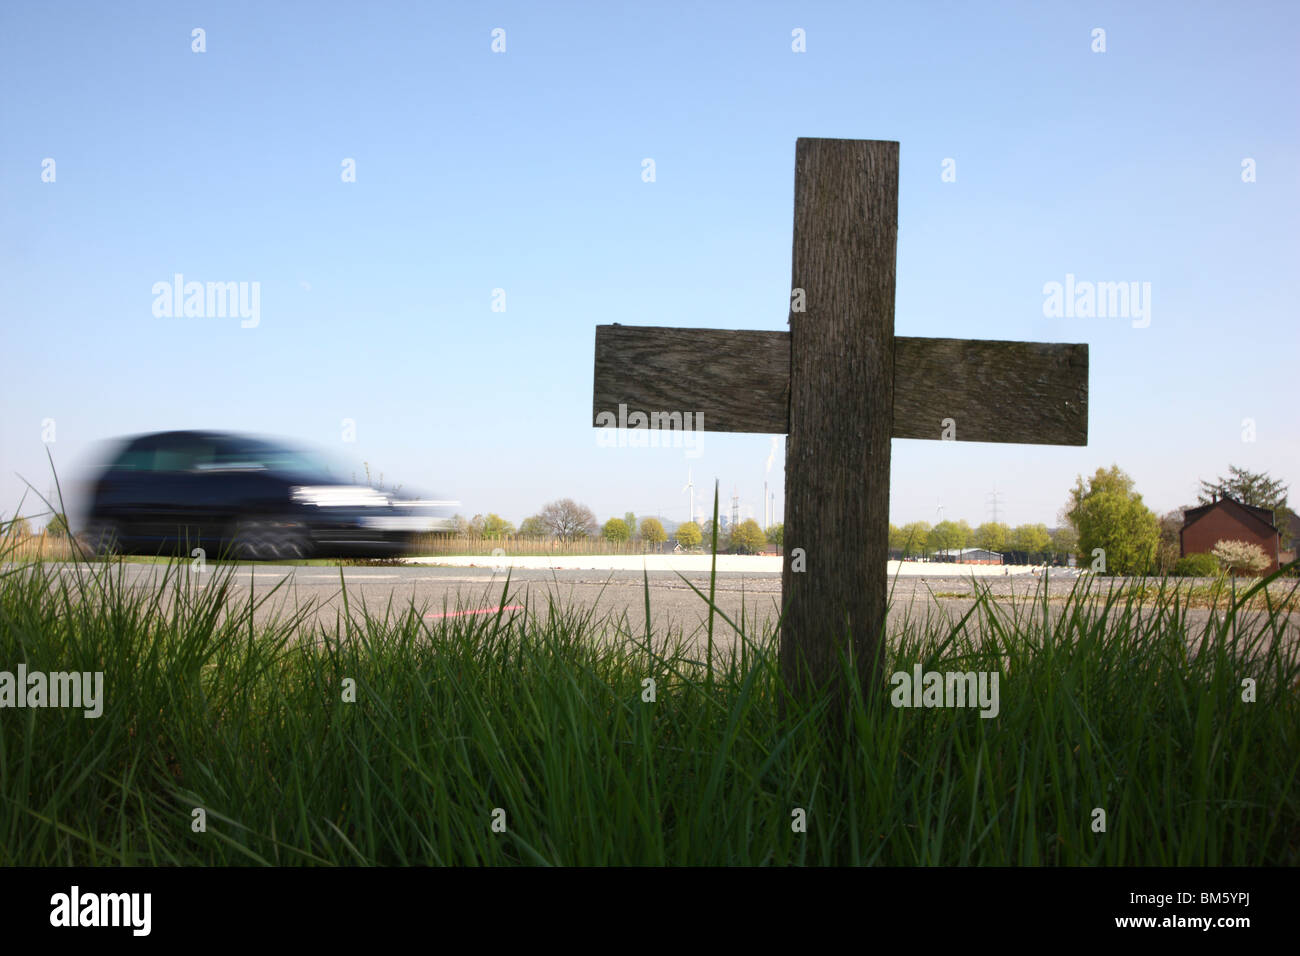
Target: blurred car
x=246, y=497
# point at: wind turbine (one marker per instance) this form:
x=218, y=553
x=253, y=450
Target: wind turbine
x=939, y=512
x=690, y=486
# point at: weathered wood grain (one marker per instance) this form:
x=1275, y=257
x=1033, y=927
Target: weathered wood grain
x=1032, y=393
x=995, y=391
x=739, y=381
x=841, y=394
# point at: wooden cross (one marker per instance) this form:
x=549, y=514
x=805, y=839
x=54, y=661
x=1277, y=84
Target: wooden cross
x=840, y=385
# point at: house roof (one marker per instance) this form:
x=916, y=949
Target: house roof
x=1261, y=516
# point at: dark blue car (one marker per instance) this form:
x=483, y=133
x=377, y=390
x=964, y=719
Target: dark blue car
x=246, y=497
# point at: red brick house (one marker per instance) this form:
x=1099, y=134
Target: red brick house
x=1228, y=520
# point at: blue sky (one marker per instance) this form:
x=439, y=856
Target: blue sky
x=522, y=171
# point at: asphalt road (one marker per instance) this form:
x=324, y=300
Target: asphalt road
x=675, y=608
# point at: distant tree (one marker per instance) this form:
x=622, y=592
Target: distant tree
x=533, y=527
x=706, y=533
x=629, y=519
x=1065, y=543
x=689, y=535
x=946, y=536
x=776, y=534
x=568, y=520
x=1250, y=488
x=462, y=526
x=895, y=538
x=967, y=534
x=16, y=526
x=652, y=530
x=992, y=536
x=747, y=537
x=491, y=526
x=1240, y=557
x=616, y=531
x=1033, y=539
x=1110, y=515
x=1169, y=547
x=916, y=538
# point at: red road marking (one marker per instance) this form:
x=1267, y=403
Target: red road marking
x=483, y=610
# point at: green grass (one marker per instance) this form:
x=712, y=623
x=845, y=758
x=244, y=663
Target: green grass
x=1106, y=702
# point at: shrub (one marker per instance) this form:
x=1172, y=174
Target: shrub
x=1240, y=557
x=1197, y=566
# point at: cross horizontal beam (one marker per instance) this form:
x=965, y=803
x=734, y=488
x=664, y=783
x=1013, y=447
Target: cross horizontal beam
x=1025, y=392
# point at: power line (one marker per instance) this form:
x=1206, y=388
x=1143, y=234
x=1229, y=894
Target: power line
x=996, y=498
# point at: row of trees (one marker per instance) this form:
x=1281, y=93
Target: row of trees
x=567, y=520
x=620, y=530
x=1104, y=516
x=564, y=519
x=745, y=538
x=918, y=539
x=1105, y=524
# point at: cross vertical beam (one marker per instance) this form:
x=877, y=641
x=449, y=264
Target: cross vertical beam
x=841, y=411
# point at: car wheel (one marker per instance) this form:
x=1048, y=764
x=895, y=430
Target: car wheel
x=101, y=538
x=258, y=540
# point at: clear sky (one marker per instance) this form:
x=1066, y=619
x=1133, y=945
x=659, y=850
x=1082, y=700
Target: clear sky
x=522, y=171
